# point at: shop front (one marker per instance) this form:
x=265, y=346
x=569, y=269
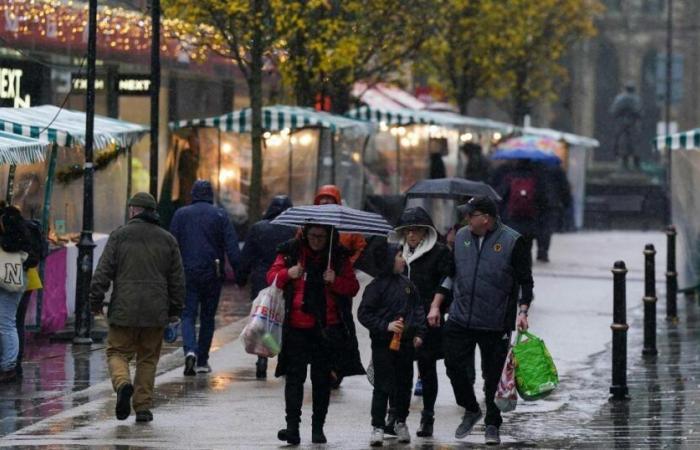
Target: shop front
x=52, y=191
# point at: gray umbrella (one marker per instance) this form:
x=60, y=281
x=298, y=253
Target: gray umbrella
x=453, y=188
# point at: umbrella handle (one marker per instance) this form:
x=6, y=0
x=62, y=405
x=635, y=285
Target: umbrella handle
x=330, y=249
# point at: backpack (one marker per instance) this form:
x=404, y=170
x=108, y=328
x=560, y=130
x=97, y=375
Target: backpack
x=521, y=197
x=38, y=245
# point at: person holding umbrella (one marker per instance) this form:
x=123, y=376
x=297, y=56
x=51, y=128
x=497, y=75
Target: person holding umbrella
x=428, y=264
x=316, y=274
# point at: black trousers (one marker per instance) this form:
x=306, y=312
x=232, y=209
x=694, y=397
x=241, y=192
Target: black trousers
x=460, y=344
x=547, y=224
x=427, y=357
x=19, y=319
x=305, y=347
x=393, y=378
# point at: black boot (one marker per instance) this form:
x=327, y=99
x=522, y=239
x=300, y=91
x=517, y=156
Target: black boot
x=426, y=424
x=290, y=435
x=317, y=436
x=261, y=368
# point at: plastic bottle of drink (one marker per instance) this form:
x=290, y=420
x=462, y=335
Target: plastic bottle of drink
x=395, y=343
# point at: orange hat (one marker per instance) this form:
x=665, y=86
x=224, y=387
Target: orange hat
x=328, y=190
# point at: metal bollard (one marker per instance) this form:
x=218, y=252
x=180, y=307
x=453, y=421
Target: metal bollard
x=619, y=329
x=649, y=302
x=671, y=276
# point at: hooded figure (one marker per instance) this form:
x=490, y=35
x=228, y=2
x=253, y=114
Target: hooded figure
x=206, y=237
x=330, y=194
x=261, y=245
x=429, y=265
x=391, y=304
x=259, y=253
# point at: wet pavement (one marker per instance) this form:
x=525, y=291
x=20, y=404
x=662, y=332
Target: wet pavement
x=231, y=409
x=59, y=375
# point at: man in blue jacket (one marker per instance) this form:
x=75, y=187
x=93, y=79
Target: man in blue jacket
x=206, y=237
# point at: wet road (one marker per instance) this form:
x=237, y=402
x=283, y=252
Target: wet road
x=230, y=409
x=60, y=376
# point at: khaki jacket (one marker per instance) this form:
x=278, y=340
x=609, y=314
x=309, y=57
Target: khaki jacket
x=142, y=261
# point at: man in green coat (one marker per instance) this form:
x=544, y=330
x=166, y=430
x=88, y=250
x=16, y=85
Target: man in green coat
x=142, y=262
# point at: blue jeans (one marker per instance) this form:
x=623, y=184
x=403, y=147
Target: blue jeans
x=9, y=340
x=202, y=299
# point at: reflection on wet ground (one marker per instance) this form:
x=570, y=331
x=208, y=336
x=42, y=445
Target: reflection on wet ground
x=663, y=411
x=57, y=375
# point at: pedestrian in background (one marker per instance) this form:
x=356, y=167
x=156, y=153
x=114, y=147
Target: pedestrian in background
x=259, y=253
x=428, y=266
x=142, y=263
x=521, y=187
x=557, y=200
x=329, y=194
x=38, y=251
x=392, y=310
x=318, y=297
x=206, y=237
x=492, y=268
x=15, y=259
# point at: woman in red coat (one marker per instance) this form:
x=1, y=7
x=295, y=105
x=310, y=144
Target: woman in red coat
x=319, y=300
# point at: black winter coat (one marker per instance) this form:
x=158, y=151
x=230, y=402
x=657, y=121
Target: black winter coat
x=387, y=298
x=260, y=249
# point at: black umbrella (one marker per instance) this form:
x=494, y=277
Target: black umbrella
x=453, y=188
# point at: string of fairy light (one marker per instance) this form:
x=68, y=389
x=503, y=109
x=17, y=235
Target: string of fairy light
x=119, y=29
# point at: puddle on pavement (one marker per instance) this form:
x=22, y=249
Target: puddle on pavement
x=56, y=372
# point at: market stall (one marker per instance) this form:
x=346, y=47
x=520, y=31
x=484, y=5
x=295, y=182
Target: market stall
x=303, y=149
x=52, y=190
x=685, y=201
x=415, y=144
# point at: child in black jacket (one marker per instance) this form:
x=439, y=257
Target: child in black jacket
x=391, y=304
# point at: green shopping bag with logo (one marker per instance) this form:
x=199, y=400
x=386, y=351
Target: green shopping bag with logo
x=535, y=373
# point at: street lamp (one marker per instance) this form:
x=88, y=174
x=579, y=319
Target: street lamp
x=83, y=318
x=667, y=103
x=155, y=95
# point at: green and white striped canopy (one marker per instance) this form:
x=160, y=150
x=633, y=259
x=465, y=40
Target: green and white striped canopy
x=685, y=140
x=49, y=123
x=275, y=118
x=390, y=116
x=16, y=149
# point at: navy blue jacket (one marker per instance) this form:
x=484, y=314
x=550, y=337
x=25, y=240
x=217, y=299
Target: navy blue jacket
x=205, y=234
x=260, y=249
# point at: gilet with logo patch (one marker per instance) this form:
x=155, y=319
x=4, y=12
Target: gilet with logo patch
x=484, y=288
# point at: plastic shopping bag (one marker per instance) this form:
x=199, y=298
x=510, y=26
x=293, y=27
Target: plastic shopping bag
x=262, y=335
x=535, y=373
x=506, y=398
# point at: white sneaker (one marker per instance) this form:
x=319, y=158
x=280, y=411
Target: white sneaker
x=402, y=433
x=203, y=369
x=377, y=439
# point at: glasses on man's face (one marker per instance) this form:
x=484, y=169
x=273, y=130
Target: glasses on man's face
x=316, y=236
x=471, y=216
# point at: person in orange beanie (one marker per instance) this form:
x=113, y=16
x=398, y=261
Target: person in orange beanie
x=330, y=194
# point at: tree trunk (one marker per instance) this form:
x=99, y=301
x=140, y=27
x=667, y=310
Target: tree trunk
x=256, y=104
x=303, y=91
x=519, y=95
x=340, y=94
